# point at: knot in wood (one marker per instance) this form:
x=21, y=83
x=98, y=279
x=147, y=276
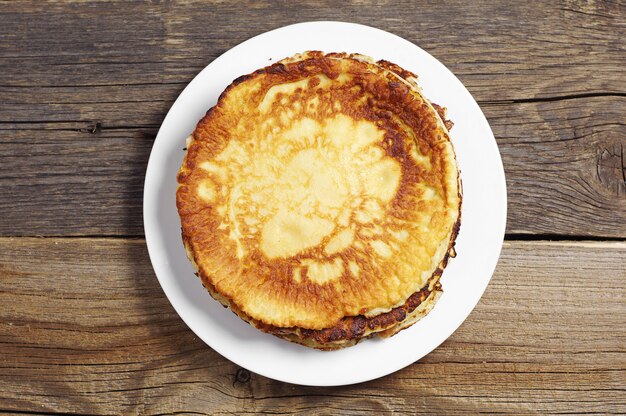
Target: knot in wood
x=611, y=169
x=242, y=375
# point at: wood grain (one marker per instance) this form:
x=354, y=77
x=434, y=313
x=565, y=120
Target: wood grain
x=84, y=87
x=564, y=163
x=85, y=328
x=500, y=50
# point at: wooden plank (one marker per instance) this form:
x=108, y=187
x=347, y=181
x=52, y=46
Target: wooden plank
x=85, y=328
x=564, y=162
x=114, y=69
x=499, y=50
x=72, y=181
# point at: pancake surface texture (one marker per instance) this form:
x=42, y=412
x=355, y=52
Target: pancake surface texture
x=320, y=199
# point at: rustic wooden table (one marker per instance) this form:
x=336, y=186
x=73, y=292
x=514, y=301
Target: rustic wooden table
x=84, y=325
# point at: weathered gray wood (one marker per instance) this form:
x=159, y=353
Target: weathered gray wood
x=500, y=50
x=85, y=328
x=564, y=164
x=67, y=181
x=67, y=68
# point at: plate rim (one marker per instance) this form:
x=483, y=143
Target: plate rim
x=382, y=370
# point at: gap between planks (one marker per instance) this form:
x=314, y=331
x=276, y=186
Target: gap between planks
x=582, y=241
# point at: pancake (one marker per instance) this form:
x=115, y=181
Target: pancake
x=320, y=199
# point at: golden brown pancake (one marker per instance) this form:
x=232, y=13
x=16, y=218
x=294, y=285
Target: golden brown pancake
x=320, y=199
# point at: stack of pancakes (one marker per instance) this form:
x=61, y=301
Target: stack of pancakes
x=320, y=199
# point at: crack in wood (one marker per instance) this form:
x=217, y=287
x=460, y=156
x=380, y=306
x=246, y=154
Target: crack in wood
x=587, y=14
x=128, y=84
x=34, y=412
x=623, y=164
x=566, y=97
x=92, y=128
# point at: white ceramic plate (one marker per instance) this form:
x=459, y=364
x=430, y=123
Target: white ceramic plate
x=464, y=280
